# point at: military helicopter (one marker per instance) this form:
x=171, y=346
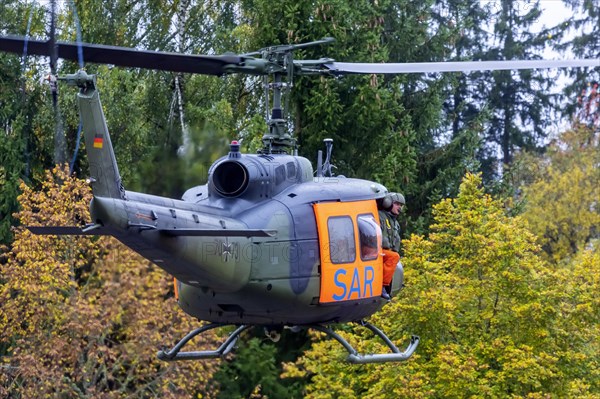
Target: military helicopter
x=268, y=241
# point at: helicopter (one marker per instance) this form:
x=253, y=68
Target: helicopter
x=268, y=242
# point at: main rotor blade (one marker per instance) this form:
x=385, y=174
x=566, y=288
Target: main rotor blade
x=458, y=66
x=124, y=56
x=218, y=65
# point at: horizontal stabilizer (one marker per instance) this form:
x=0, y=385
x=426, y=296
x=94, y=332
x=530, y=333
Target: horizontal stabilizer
x=219, y=232
x=90, y=230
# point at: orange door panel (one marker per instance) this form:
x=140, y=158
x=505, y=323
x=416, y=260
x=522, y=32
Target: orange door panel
x=350, y=247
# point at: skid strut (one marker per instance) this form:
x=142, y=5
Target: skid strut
x=225, y=348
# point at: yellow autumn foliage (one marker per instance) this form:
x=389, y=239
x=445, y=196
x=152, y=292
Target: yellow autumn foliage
x=563, y=201
x=85, y=316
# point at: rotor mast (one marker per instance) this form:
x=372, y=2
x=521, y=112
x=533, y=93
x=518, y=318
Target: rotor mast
x=278, y=138
x=280, y=65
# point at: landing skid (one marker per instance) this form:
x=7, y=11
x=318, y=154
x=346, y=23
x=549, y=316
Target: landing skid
x=356, y=358
x=353, y=356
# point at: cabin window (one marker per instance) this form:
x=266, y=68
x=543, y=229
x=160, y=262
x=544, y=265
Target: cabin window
x=342, y=247
x=279, y=174
x=291, y=170
x=369, y=235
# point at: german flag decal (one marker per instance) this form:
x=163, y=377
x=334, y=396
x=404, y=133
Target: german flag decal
x=98, y=140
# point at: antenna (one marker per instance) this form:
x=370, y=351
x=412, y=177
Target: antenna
x=327, y=166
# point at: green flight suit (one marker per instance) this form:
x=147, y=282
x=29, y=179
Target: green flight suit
x=390, y=229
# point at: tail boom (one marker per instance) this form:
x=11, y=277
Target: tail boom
x=104, y=172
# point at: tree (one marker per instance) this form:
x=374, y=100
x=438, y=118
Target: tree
x=561, y=193
x=384, y=128
x=485, y=306
x=519, y=100
x=562, y=196
x=449, y=147
x=257, y=366
x=466, y=20
x=84, y=316
x=588, y=103
x=578, y=331
x=22, y=114
x=360, y=112
x=584, y=28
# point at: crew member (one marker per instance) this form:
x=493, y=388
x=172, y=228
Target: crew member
x=389, y=209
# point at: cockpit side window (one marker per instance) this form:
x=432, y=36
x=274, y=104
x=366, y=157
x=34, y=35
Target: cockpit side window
x=342, y=247
x=291, y=171
x=369, y=236
x=279, y=174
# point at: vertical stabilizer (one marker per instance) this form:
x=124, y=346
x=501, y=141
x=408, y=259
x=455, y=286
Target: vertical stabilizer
x=104, y=173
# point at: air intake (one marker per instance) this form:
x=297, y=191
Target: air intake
x=230, y=178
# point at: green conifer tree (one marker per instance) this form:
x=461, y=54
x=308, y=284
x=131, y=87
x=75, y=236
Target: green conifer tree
x=519, y=101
